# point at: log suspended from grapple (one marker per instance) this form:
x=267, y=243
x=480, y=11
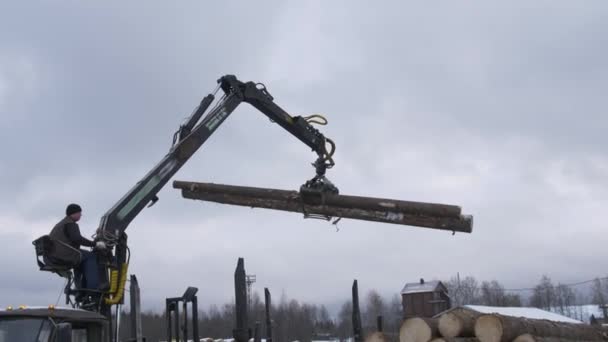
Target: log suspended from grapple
x=328, y=205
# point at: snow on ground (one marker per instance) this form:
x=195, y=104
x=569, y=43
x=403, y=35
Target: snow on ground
x=525, y=312
x=580, y=312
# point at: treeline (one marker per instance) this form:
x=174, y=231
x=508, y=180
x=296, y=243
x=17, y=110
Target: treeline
x=294, y=320
x=547, y=295
x=491, y=293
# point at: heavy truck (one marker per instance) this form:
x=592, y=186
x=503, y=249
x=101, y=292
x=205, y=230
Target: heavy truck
x=89, y=312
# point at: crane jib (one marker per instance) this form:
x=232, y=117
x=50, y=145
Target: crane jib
x=146, y=189
x=216, y=119
x=193, y=134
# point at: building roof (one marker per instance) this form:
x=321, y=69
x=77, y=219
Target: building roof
x=533, y=313
x=422, y=286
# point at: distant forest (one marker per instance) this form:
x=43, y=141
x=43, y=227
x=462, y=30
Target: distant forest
x=294, y=320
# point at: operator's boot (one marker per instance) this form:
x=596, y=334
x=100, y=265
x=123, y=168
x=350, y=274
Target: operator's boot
x=91, y=301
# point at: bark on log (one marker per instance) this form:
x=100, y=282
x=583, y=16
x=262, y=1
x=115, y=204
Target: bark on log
x=497, y=328
x=458, y=323
x=428, y=215
x=418, y=329
x=376, y=337
x=531, y=338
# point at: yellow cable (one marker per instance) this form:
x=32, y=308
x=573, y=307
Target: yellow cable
x=113, y=281
x=120, y=290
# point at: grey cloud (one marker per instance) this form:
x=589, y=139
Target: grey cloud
x=496, y=108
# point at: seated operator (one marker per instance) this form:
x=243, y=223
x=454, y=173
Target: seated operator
x=68, y=232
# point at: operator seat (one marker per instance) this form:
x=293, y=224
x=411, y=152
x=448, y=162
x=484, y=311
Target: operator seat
x=56, y=256
x=60, y=258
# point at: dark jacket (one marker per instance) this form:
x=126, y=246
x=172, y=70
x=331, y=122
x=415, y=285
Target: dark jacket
x=67, y=231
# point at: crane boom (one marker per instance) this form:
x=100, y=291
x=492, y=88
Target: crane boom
x=193, y=134
x=186, y=141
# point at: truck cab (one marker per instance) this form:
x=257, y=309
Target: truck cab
x=51, y=324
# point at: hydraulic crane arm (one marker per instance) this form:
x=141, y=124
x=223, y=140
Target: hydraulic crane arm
x=193, y=134
x=186, y=141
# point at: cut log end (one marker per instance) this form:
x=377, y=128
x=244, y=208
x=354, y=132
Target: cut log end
x=525, y=338
x=417, y=330
x=532, y=338
x=505, y=328
x=376, y=337
x=488, y=328
x=457, y=323
x=450, y=325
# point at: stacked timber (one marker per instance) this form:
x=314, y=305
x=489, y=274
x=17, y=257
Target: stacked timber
x=498, y=328
x=376, y=337
x=465, y=325
x=459, y=322
x=418, y=329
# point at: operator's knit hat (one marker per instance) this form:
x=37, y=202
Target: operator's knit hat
x=72, y=209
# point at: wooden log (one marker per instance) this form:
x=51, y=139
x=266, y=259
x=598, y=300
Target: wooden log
x=418, y=329
x=532, y=338
x=420, y=214
x=377, y=336
x=498, y=328
x=345, y=201
x=458, y=322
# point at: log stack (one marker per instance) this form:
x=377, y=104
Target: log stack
x=418, y=329
x=498, y=328
x=458, y=322
x=376, y=337
x=466, y=325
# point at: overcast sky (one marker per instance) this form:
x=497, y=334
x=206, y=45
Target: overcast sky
x=498, y=108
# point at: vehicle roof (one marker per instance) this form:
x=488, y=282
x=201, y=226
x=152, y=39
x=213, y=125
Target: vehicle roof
x=62, y=314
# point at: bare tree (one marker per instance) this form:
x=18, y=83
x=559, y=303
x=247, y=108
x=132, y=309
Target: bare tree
x=565, y=299
x=374, y=307
x=492, y=293
x=598, y=291
x=513, y=299
x=345, y=323
x=395, y=314
x=544, y=295
x=324, y=323
x=463, y=291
